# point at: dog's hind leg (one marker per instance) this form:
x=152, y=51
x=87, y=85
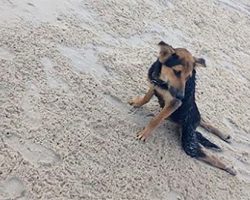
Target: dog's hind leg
x=216, y=162
x=215, y=131
x=140, y=101
x=190, y=144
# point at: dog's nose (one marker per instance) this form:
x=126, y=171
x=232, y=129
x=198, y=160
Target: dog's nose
x=179, y=94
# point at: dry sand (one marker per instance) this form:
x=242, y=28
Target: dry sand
x=67, y=69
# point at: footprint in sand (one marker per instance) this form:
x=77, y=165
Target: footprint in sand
x=35, y=154
x=30, y=100
x=136, y=116
x=52, y=79
x=84, y=60
x=12, y=188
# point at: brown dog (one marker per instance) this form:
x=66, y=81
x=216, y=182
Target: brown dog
x=172, y=81
x=175, y=76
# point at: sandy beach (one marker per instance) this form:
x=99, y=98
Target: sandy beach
x=67, y=70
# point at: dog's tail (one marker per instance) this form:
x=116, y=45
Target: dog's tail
x=205, y=142
x=191, y=143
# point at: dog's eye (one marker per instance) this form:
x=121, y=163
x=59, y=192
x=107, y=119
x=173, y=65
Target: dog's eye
x=177, y=73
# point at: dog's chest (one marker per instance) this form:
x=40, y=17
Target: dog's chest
x=165, y=94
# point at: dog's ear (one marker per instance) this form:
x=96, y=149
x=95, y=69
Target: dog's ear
x=200, y=62
x=165, y=51
x=161, y=43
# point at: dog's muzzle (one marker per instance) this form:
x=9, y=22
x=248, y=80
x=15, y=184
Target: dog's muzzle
x=179, y=94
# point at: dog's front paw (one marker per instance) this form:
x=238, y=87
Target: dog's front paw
x=143, y=135
x=136, y=102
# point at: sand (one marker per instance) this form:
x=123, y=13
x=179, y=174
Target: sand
x=67, y=70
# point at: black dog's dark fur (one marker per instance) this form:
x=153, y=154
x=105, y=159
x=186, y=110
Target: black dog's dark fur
x=187, y=115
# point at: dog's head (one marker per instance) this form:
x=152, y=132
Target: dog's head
x=178, y=65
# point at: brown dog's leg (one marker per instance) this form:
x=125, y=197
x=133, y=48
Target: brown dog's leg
x=216, y=162
x=140, y=101
x=215, y=131
x=165, y=112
